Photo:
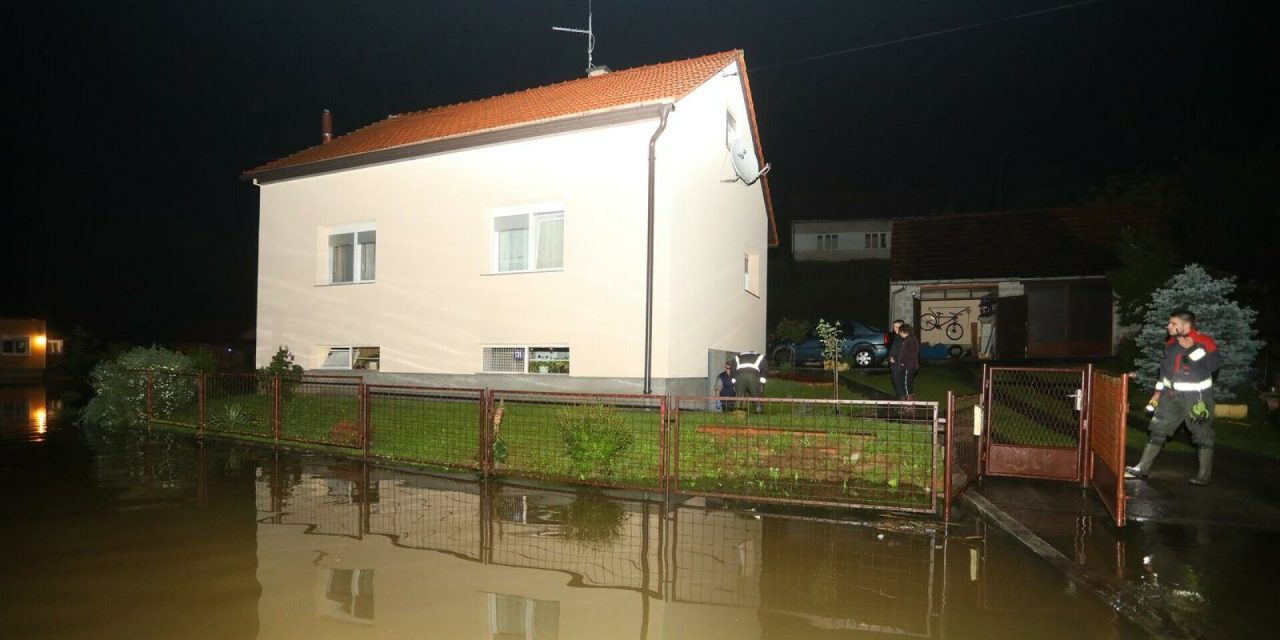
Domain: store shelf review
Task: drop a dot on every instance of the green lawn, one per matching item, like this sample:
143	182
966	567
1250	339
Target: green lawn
932	383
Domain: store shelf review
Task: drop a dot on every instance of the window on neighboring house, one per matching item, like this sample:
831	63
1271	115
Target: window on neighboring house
828	241
526	360
751	273
528	242
15	346
54	347
730	130
875	241
353	358
353	256
350	593
520	618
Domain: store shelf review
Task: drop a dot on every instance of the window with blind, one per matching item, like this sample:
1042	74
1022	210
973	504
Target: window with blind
353	256
526	360
528	242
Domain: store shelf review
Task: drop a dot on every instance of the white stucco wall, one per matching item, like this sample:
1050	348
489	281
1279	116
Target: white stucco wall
706	226
435	304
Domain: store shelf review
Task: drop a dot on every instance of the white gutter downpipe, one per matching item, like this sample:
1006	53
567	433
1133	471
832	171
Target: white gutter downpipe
648	267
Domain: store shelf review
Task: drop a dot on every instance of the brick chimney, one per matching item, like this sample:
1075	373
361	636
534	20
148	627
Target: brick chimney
326	127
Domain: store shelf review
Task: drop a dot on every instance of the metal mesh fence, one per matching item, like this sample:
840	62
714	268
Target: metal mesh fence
1036	407
602	541
321	410
845	453
427	425
327	500
240	403
716	557
595	439
175	398
962	451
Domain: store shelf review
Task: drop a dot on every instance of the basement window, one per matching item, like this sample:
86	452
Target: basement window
359	358
526	360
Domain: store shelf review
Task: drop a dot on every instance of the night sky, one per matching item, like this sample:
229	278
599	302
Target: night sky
130	122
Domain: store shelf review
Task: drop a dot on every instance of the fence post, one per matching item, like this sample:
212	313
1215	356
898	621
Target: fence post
362	402
486	433
275	408
1086	429
150	388
200	396
948	455
664	480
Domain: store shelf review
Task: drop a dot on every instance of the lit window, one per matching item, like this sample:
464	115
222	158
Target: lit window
15	346
353	256
528	242
526	360
54	346
353	358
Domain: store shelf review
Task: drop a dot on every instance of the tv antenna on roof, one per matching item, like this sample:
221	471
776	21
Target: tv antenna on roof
589	32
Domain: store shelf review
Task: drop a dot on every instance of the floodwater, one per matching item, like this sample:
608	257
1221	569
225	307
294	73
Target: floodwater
137	535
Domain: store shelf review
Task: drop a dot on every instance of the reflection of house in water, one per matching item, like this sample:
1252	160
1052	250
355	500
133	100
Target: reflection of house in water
361	551
26	409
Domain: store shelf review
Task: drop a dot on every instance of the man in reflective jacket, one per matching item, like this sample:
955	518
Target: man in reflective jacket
1184	393
750	373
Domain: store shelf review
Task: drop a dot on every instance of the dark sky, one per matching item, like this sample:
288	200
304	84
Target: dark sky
130	121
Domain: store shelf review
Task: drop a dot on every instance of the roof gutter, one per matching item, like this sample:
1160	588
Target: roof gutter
432	147
648	265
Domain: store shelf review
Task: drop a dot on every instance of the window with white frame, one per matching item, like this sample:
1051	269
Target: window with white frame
875	240
353	358
15	346
528	242
828	241
751	273
526	360
353	255
730	129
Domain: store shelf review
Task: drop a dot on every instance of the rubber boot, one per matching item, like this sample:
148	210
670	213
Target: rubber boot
1143	468
1206	467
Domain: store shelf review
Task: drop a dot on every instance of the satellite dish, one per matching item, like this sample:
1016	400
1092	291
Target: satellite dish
745	164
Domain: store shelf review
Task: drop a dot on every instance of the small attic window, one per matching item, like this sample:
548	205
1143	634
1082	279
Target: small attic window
730	129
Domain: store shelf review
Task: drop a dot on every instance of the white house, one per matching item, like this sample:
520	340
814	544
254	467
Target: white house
584	235
859	239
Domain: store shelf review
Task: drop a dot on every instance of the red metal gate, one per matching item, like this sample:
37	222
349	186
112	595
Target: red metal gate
1036	423
1108	407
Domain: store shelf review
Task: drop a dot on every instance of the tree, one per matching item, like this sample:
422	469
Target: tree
829	335
1146	262
1217	315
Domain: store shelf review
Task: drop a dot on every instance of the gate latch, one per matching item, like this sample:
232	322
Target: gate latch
1079	399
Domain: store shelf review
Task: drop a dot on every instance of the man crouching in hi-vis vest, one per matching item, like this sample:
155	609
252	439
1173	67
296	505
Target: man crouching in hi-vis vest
750	373
1184	393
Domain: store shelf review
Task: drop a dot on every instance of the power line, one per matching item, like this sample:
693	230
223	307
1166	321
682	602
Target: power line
931	34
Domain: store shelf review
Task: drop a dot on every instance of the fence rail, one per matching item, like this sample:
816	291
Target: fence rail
962	451
850	453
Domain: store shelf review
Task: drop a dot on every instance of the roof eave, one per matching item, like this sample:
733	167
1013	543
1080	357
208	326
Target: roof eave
575	122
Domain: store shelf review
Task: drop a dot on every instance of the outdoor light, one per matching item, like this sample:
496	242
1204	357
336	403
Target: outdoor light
41	418
40	341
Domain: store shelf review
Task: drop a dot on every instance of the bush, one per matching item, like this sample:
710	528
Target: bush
593	521
595	436
793	330
282	364
120	387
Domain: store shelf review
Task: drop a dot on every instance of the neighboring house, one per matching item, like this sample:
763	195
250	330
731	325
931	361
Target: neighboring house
506	242
841	239
25	348
1046	268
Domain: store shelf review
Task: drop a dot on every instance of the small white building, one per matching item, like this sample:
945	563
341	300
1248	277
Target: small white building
584	235
864	239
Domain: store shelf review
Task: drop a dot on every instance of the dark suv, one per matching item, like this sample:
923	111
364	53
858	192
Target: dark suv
861	344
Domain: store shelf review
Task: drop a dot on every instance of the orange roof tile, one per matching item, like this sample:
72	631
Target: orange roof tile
649	84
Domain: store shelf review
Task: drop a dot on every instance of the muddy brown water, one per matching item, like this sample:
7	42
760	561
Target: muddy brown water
156	535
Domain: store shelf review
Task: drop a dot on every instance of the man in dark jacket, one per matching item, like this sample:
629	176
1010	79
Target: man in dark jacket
1184	393
750	375
725	380
895	343
907	363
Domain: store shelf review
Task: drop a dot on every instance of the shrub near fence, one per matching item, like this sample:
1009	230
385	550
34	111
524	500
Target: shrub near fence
849	453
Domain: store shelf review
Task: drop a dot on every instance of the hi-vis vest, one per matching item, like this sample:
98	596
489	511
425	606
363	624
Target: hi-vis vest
742	363
1189	369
